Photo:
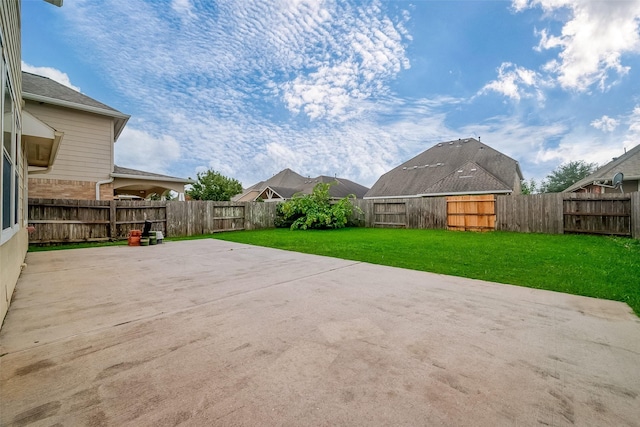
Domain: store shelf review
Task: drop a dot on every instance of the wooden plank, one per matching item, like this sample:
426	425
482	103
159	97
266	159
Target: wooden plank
598	214
635	214
66	221
153	221
113	226
608	232
475	212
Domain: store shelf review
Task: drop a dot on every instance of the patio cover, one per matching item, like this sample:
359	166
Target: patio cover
140	183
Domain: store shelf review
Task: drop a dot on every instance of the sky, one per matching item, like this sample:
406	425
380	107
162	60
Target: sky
346	88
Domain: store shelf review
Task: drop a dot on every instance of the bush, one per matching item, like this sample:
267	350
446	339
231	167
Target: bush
315	210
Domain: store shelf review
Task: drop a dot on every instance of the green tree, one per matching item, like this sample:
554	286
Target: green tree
566	175
529	187
212	185
315	210
155	196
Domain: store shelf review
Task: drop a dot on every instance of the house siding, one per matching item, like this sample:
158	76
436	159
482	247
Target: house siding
14	249
86	151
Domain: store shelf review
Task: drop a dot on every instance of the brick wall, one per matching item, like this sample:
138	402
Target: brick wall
66	189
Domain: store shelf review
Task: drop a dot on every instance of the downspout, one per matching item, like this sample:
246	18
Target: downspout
99	183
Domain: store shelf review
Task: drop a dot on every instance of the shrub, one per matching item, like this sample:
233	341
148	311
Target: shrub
315	210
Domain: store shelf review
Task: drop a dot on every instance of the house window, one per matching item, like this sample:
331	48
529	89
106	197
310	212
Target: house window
9	173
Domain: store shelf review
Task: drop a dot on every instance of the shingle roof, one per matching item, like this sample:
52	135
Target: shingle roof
435	171
118	170
628	164
43	89
44	86
287	183
470	177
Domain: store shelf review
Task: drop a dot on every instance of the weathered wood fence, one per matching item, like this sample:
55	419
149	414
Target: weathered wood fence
69	221
58	221
423	212
554	213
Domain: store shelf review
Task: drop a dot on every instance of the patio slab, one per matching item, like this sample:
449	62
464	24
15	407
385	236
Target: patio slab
207	332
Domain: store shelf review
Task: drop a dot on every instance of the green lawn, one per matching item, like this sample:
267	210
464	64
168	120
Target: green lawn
595	266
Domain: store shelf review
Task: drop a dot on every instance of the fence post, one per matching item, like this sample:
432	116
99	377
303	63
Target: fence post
112	220
635	214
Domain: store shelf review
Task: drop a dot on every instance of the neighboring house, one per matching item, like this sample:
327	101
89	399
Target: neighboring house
459	167
286	183
84	166
25	142
601	180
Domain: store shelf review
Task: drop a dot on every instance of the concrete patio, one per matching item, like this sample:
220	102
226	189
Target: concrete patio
207	332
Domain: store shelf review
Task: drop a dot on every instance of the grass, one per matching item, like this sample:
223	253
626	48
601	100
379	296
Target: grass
594	266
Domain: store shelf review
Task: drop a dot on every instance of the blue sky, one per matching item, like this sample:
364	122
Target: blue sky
347	88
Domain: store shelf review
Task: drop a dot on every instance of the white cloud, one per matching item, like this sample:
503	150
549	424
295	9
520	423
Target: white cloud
516	83
351	67
592	41
52	73
138	149
224	86
605	123
184	8
632	137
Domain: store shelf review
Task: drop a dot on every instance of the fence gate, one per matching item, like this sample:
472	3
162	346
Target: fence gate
390	214
471	213
227	218
601	215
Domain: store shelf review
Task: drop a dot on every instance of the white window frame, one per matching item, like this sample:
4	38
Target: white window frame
9	232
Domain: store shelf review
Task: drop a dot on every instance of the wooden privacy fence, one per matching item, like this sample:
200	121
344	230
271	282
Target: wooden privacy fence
605	215
419	212
557	213
69	221
552	213
58	221
205	217
471	213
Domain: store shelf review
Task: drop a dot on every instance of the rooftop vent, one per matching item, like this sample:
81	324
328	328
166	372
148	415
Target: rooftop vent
440	144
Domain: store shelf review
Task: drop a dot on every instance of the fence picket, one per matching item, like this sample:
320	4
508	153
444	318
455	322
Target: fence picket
58	221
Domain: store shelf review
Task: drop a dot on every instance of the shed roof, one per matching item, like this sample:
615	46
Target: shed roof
435	171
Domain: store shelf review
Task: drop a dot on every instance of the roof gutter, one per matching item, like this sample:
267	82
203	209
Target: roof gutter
412	196
465	193
460	193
